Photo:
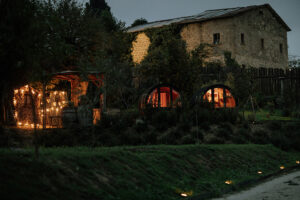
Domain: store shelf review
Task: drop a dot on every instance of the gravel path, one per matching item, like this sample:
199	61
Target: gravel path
285	187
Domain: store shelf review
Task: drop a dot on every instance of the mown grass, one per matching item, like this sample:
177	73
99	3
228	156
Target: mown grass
264	115
144	172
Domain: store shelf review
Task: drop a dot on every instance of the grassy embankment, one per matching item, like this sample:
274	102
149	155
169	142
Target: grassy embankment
148	172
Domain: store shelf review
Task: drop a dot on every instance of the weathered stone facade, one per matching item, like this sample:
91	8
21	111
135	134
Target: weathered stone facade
255	38
140	47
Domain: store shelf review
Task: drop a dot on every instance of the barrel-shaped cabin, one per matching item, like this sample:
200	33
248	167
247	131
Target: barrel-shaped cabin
161	96
218	95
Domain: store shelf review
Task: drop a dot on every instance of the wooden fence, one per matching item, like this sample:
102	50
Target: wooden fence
277	81
268	81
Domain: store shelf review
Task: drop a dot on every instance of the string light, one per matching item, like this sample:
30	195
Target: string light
53	107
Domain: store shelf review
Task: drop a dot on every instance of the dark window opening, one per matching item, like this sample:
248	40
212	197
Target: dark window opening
242	38
216	38
261	12
262	43
281	48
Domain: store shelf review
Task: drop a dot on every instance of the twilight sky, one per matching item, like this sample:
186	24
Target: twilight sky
153	10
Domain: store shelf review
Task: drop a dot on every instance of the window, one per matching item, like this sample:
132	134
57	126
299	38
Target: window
216	38
261	12
280	48
220	97
262	43
242	38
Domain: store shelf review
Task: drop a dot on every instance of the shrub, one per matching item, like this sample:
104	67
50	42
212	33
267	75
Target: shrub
197	134
150	137
260	136
241	136
223	133
205	125
140	126
171	136
226	115
212	139
274	125
187	139
163	119
131	137
279	140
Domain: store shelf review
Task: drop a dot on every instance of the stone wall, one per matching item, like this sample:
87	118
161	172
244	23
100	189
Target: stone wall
140	47
255	25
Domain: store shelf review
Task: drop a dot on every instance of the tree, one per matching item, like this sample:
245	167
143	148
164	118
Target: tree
294	61
168	61
139	21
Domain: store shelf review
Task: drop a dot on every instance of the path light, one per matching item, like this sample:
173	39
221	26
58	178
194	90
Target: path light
186	193
183	194
282	167
228	182
259	172
298	162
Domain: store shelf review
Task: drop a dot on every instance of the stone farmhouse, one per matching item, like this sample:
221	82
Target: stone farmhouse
255	35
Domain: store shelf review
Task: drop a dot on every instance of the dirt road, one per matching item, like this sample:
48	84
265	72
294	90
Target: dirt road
285	187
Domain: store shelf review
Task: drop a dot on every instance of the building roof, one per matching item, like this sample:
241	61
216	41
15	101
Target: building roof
206	16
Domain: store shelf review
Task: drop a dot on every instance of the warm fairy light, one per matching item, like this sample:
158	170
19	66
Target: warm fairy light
22	91
55	93
48	110
282	167
26	124
32	125
259	172
54	104
298	162
15	102
228	182
26	86
63	92
32	91
57	109
52	108
16	114
20	123
39	95
16	91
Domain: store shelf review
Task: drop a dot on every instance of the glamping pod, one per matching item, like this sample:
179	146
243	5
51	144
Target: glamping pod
161	96
218	95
